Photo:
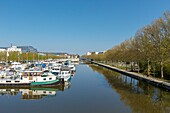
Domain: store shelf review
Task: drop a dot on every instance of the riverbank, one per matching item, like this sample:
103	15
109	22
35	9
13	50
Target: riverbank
150	80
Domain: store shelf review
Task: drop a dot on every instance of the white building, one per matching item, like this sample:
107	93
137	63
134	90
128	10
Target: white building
43	54
96	53
14	48
2	50
88	53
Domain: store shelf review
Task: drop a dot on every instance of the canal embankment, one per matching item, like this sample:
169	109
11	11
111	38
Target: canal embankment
156	82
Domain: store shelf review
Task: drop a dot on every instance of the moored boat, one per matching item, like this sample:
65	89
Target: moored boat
38	78
55	70
70	65
33	78
65	73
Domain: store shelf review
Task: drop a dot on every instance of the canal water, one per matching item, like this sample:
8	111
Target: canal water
92	89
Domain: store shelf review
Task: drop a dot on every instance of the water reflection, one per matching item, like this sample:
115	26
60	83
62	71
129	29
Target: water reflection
33	93
140	96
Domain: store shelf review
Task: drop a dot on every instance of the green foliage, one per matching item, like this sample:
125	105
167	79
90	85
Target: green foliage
30	56
2	56
167	71
150	48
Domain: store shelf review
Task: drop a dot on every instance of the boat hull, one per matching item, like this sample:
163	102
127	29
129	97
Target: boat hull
53	82
14	84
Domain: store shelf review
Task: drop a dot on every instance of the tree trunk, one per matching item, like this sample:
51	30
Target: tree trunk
126	66
138	67
154	69
162	72
131	66
148	70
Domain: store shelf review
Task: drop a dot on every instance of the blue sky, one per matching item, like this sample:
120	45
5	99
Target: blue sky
75	26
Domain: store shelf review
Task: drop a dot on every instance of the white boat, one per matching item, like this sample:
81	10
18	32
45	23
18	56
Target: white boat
2	73
65	73
17	65
70	65
33	78
55	70
8	73
72	68
40	78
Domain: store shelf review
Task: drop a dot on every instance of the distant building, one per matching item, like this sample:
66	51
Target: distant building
101	52
73	56
14	48
41	53
64	55
28	49
92	53
19	48
2	50
96	53
88	53
59	54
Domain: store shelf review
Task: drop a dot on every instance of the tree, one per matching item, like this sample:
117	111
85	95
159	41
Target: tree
160	41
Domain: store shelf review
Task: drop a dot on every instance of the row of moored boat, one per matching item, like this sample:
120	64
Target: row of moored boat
37	74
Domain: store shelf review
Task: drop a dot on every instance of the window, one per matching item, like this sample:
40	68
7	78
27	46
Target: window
44	79
50	78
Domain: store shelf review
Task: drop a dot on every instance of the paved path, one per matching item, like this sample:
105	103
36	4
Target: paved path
151	80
